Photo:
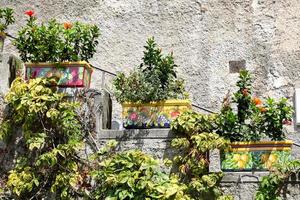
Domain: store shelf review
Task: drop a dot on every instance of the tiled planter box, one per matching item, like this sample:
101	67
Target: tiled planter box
154	114
248	156
68	74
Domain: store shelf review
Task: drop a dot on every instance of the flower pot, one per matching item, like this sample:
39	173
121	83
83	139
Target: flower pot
2	38
248	156
153	115
68	74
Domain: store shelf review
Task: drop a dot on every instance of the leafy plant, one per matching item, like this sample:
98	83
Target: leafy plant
133	175
51	138
55	42
154	80
270	187
254	118
6	18
193	163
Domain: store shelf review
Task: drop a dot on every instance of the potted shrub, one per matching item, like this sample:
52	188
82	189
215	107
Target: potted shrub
255	128
58	50
151	95
6	18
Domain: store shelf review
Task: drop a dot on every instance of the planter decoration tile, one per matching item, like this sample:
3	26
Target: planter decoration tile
249	156
69	74
154	114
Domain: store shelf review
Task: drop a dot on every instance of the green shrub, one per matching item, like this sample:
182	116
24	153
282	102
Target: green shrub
254	118
133	175
6	18
56	42
154	80
51	138
193	163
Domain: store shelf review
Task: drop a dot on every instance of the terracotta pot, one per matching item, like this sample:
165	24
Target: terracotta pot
153	115
67	74
248	156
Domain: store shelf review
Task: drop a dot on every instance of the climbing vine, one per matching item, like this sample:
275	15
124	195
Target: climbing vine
47	161
132	175
193	162
271	186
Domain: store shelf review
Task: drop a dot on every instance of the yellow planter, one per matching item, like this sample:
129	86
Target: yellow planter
248	156
153	115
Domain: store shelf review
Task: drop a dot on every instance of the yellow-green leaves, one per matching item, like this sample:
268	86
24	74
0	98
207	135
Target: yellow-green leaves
22	181
52	136
135	175
37	141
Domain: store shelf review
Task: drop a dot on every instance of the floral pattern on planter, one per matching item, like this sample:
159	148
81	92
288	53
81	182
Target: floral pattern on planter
77	74
255	158
153	115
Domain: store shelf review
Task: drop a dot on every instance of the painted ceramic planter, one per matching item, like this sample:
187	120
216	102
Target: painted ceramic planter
154	114
249	156
68	74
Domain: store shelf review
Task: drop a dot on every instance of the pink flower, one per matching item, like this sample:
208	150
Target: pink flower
133	116
287	122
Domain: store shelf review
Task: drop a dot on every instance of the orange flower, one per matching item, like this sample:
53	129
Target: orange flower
30	13
262	109
68	25
257	101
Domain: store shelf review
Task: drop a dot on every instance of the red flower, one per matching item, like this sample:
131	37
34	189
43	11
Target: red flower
175	114
245	92
30	13
67	25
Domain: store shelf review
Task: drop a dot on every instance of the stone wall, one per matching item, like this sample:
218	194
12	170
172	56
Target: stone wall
242	185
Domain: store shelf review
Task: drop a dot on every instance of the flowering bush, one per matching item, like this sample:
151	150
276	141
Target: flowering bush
255	118
56	42
6	18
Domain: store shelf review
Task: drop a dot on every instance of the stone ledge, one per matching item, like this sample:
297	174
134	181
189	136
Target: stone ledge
130	134
251	177
243	177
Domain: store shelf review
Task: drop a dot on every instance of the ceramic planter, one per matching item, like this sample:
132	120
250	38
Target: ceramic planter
68	74
248	156
153	115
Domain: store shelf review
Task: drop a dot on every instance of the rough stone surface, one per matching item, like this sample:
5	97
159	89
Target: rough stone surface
153	141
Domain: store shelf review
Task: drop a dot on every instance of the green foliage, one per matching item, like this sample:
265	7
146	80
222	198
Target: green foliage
55	42
271	186
276	115
154	80
254	119
191	122
52	137
6	18
133	175
193	162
